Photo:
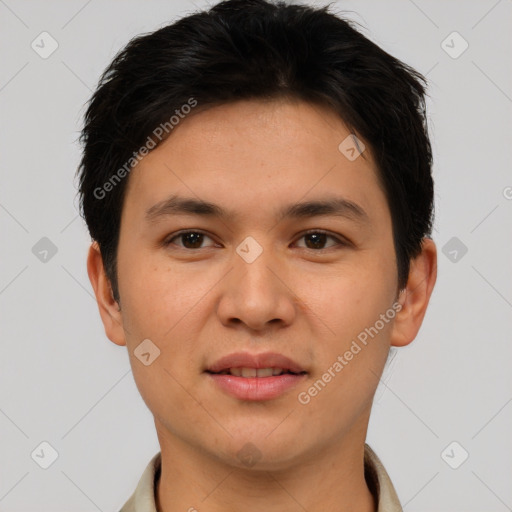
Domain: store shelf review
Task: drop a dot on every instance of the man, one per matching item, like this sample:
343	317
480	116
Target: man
256	179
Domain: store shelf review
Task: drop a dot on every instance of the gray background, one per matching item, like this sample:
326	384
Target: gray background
63	382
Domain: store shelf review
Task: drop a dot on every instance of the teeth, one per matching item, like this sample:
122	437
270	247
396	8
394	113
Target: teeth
249	372
264	372
255	372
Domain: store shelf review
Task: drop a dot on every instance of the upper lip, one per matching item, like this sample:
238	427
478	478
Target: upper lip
246	360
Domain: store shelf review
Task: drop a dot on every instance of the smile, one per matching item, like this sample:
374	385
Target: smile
255	372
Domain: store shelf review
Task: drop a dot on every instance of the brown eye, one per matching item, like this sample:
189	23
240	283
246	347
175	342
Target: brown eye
317	239
188	239
192	240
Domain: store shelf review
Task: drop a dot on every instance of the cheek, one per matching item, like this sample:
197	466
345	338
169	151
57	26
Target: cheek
351	357
162	304
351	305
354	299
156	297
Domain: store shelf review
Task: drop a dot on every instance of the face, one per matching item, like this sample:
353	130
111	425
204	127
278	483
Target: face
256	281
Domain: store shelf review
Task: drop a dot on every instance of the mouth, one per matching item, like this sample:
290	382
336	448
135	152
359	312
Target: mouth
255	377
246	372
244	364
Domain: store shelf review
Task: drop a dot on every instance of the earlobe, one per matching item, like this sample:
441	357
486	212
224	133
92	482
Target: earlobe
414	298
110	312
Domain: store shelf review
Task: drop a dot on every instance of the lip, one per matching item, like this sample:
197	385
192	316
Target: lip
256	388
264	360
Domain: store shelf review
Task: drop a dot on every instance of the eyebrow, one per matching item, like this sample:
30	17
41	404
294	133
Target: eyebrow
335	206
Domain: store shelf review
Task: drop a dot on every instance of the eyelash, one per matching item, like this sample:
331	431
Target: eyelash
340	242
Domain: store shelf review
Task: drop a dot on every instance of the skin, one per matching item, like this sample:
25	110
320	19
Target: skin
199	304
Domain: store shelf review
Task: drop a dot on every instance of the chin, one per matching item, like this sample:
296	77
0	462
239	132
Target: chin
260	447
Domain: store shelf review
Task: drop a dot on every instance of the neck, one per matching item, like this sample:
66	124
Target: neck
330	480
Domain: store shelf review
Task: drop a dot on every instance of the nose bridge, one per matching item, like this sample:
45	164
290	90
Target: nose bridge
256	268
255	293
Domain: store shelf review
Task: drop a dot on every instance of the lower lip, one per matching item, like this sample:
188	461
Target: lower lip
256	388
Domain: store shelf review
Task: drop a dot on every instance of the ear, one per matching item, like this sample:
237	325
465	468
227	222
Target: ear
416	295
110	311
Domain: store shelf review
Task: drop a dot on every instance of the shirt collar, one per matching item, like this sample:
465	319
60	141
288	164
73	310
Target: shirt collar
379	483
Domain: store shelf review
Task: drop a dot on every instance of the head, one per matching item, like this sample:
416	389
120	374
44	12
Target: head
220	127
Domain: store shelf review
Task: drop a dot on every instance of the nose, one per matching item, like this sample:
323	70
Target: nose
258	295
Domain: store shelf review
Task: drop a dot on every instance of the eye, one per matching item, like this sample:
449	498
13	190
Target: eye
316	240
188	239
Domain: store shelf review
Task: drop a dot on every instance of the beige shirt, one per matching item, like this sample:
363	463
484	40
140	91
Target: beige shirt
379	483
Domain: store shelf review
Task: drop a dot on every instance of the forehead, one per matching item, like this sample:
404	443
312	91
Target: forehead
252	154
